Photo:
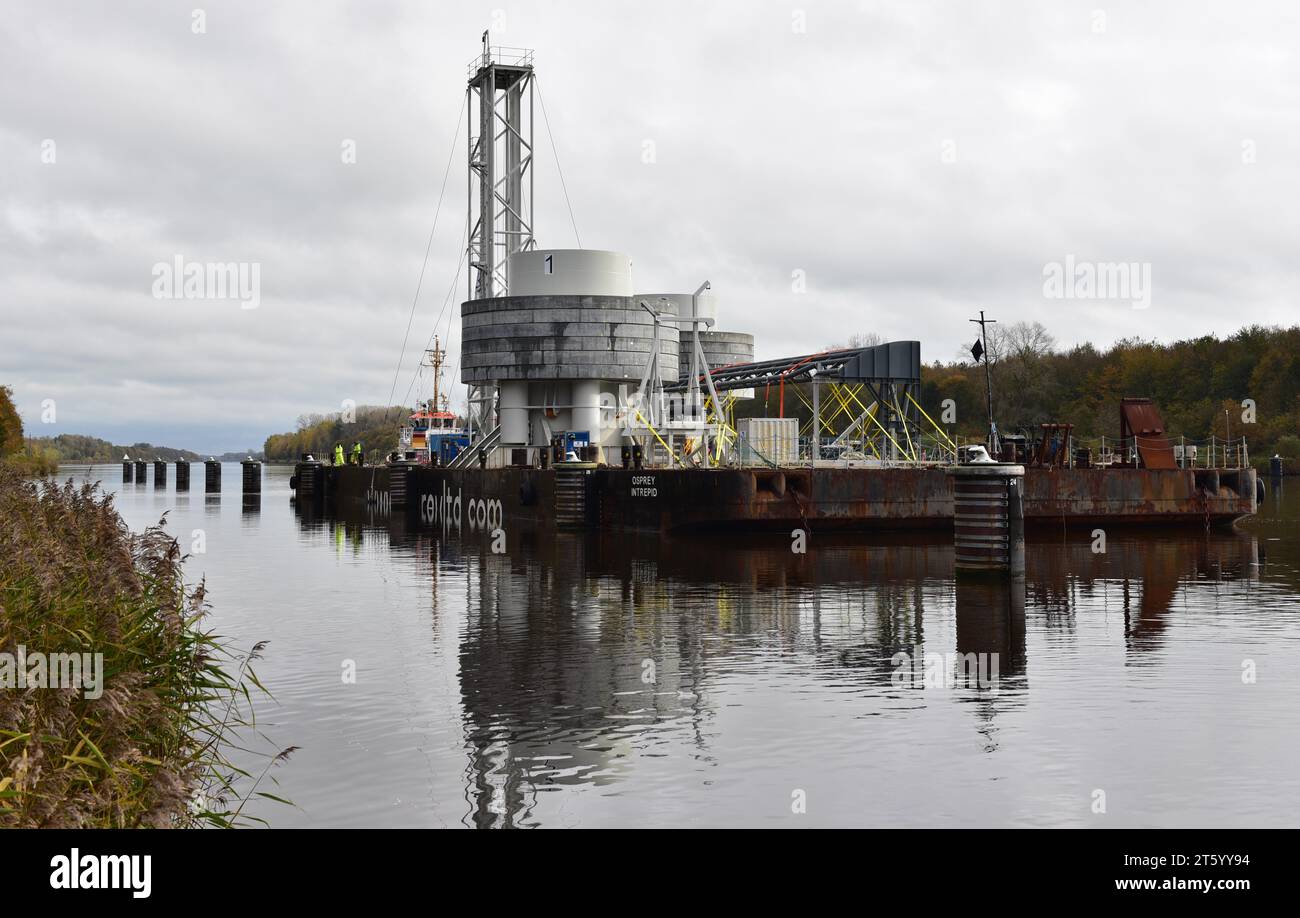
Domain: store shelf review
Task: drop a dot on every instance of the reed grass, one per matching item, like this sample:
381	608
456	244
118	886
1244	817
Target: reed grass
153	750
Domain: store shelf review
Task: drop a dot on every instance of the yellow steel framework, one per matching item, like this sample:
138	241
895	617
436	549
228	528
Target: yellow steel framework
844	400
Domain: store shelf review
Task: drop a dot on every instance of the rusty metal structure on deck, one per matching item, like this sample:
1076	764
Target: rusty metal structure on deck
1140	420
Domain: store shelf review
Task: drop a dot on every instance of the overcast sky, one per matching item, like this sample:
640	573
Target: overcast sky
915	162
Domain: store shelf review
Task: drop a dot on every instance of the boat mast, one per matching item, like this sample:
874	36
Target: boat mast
435	355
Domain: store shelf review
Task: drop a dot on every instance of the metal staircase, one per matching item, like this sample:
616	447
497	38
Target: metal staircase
469	455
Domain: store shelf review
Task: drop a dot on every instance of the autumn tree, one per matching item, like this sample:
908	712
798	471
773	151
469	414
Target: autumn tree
11	425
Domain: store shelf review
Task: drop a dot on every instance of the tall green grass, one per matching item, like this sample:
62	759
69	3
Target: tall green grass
154	749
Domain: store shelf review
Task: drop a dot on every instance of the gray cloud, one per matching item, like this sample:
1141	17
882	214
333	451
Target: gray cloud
776	151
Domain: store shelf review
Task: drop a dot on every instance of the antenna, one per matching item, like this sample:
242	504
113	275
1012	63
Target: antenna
500	186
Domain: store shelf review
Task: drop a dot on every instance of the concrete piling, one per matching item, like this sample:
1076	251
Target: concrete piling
212	476
182	475
159	474
989	517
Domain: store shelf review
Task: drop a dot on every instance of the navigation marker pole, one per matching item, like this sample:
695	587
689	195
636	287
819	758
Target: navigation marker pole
983	350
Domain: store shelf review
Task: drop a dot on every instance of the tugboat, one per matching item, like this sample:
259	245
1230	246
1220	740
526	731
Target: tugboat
433	435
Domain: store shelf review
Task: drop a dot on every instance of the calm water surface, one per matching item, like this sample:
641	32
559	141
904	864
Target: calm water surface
509	689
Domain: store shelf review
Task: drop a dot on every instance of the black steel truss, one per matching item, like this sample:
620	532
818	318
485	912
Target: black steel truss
897	362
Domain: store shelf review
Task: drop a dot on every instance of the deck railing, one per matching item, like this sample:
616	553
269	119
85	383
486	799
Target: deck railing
512	57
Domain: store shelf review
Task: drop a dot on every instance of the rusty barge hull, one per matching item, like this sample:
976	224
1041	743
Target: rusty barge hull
821	499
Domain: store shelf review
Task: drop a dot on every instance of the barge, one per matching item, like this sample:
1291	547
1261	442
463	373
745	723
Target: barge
591	405
774	500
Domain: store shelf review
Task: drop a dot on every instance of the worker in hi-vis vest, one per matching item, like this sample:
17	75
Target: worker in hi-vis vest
338	453
357	453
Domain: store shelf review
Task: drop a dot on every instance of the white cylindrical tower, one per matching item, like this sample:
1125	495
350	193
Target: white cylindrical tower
514	412
570	272
586	408
569	335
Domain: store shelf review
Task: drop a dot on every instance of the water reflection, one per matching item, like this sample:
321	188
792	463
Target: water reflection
582	658
513	689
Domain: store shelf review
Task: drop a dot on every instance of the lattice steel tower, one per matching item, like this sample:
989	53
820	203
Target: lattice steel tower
500	215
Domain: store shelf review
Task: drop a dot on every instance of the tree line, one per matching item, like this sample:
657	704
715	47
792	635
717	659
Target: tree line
374	426
15	450
41	455
1244	384
80	448
1247	384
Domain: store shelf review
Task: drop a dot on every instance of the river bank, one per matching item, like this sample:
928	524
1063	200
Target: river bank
117	704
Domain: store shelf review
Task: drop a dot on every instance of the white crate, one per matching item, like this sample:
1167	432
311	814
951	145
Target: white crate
764	440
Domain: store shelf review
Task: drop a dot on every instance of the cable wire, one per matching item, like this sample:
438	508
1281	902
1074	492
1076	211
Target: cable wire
427	248
436	325
565	188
